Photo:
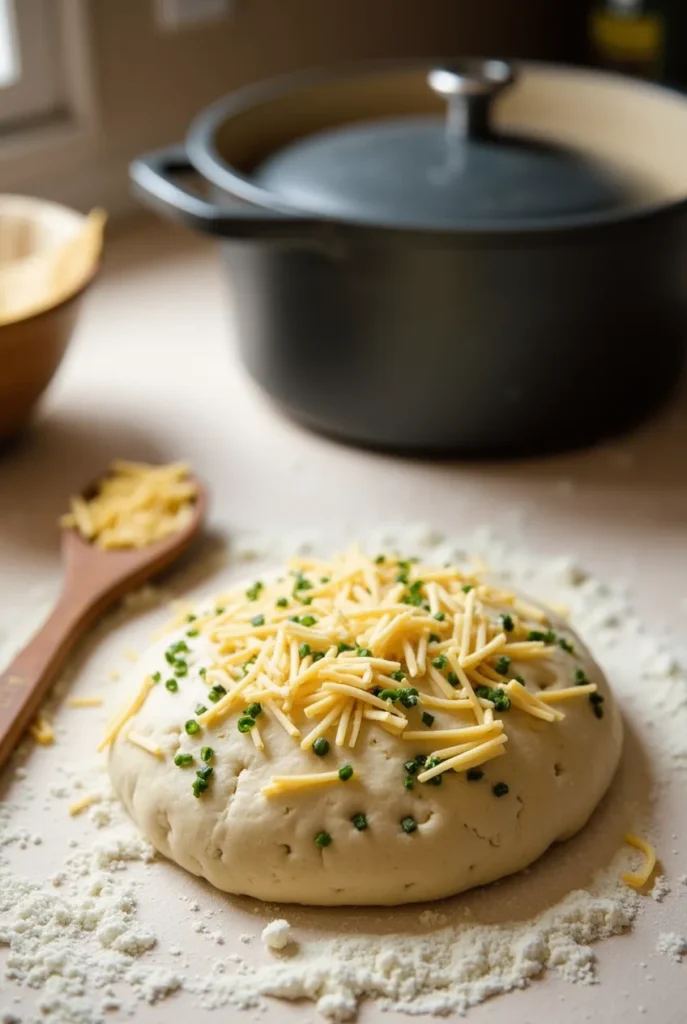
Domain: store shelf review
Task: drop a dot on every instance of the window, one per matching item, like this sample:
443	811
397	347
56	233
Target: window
29	73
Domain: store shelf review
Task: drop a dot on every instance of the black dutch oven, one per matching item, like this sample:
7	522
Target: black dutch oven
470	259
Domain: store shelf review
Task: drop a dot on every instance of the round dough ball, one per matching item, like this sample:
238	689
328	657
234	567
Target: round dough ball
247	843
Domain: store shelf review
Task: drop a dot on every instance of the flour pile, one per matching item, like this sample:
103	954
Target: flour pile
76	945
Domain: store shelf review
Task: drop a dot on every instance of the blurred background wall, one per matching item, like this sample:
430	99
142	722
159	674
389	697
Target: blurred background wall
148	83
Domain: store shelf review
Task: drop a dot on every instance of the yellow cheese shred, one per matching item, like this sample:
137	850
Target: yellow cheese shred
145	743
637	879
134	505
123	717
291	783
80	805
84	702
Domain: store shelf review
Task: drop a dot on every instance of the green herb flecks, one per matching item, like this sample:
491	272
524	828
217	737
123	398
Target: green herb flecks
345	772
497	696
500	789
192	727
363	652
507	623
502	665
258	620
245	723
200	709
254	709
253	592
323	839
546	637
156	677
304	650
206	754
359	822
427	719
565	645
282	602
440	661
320	747
215	692
474	774
408	824
183	760
172	685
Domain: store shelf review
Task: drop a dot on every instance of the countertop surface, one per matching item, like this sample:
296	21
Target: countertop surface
152	375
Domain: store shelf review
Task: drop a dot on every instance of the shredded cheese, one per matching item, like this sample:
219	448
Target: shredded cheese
290	783
134	505
637	879
42	731
123	717
80	805
84	702
145	743
348	647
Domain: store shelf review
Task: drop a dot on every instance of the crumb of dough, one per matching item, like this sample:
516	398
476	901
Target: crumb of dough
276	934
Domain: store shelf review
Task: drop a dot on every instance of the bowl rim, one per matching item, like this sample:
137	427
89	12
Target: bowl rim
87	281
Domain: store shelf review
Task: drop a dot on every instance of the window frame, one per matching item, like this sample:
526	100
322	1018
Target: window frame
37	91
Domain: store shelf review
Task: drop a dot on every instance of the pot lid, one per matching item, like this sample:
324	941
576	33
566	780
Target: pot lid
439	172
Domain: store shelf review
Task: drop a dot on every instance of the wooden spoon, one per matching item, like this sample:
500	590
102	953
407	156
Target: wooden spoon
93	580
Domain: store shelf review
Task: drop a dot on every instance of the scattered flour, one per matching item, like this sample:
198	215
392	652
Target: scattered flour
660	889
75	939
276	934
673	945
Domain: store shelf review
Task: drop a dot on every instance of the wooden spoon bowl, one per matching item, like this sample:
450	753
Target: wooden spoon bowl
94	579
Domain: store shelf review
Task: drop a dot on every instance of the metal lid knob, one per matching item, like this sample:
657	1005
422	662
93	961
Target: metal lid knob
469	86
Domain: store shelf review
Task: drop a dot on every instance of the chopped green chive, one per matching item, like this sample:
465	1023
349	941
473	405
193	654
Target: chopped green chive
192	727
282	602
258	620
421	758
359	822
500	789
254	709
440	661
182	760
322	839
434	638
220	609
254	592
304	650
565	645
388	695
548	637
305	600
497	696
409	782
427	719
181	668
452	678
191	617
341	647
364	652
206	754
321	747
502	665
408	824
408	698
432	762
324	579
318	656
440	616
467	587
200	709
199	786
202	672
474	774
380	559
345	772
402	576
157	676
596	700
410	767
507	623
191	632
172	685
215	692
520	680
307	620
580	677
205	772
398	676
245	723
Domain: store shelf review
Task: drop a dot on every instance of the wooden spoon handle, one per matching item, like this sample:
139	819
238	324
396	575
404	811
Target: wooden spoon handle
24	684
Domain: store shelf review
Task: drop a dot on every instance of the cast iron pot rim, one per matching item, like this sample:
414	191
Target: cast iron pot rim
204	157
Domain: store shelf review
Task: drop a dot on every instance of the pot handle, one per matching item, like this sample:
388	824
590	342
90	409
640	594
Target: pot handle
154	178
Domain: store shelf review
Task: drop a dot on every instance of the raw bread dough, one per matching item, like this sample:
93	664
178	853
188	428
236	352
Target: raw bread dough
246	843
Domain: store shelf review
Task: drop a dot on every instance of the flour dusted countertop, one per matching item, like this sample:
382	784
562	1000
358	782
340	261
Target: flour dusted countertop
152	375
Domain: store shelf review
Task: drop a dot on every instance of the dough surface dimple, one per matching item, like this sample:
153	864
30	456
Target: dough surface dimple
372	839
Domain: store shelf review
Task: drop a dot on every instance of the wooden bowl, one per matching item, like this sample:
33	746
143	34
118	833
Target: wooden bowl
30	352
49	255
